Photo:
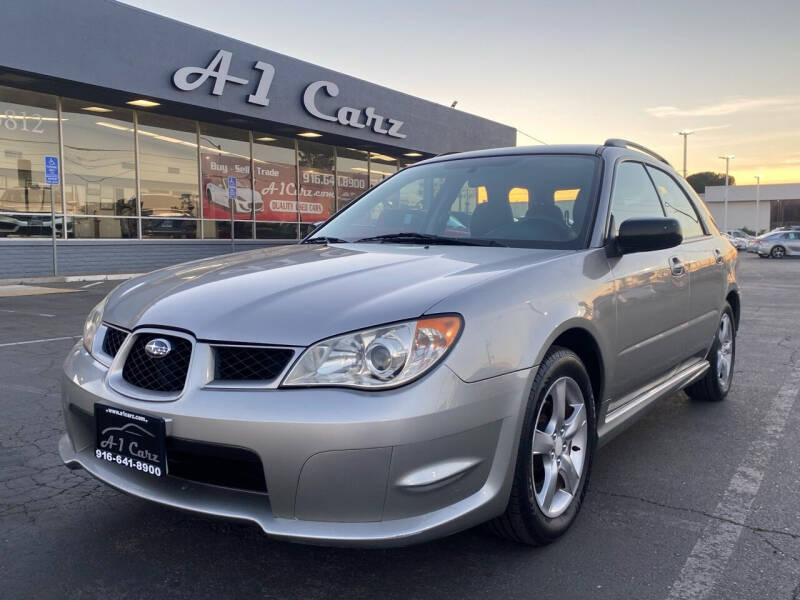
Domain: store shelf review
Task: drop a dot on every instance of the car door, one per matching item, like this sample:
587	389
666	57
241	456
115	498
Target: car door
651	292
704	257
793	243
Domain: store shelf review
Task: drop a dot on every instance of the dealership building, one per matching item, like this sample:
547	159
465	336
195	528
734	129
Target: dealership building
129	141
755	207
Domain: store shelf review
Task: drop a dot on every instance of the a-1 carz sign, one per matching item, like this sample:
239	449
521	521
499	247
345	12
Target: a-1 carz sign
188	79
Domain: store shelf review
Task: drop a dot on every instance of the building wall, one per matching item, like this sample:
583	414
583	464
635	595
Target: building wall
766	191
24	258
779	205
741	214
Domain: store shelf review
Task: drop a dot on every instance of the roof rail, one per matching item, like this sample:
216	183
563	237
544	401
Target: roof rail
620	143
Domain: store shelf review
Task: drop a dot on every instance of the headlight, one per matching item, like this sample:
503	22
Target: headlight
92	323
376	358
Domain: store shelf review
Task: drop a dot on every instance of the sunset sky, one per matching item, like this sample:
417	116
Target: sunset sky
563	72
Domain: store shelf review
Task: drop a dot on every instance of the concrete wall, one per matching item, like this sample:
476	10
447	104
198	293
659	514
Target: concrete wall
743	193
29	258
741	214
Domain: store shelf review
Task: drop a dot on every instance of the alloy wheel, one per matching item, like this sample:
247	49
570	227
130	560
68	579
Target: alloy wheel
725	352
778	252
559	446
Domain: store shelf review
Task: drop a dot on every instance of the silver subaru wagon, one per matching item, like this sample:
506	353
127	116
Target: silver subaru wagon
448	350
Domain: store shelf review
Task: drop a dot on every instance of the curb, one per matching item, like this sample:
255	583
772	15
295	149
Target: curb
68	278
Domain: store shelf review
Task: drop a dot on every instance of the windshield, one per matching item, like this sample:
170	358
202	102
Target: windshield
537	201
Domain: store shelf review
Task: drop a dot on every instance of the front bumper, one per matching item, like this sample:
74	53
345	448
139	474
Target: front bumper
342	467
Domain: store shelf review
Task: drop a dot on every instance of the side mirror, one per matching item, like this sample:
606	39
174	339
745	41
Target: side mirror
643	235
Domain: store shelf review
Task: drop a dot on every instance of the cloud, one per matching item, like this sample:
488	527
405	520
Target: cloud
711	127
727	107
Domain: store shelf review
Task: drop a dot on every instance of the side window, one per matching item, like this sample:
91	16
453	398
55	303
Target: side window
677	204
633	195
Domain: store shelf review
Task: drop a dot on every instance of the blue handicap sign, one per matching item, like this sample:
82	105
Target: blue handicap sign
51	170
231	188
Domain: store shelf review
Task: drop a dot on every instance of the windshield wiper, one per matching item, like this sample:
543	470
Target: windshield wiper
324	240
411	237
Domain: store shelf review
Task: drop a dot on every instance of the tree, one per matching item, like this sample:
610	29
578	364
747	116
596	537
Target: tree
699	181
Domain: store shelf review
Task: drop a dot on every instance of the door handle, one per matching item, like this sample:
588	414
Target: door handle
718	256
676	266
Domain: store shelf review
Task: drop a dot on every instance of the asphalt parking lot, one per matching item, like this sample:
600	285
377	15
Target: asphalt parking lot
696	500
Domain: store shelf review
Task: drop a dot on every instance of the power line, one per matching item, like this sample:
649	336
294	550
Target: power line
531	136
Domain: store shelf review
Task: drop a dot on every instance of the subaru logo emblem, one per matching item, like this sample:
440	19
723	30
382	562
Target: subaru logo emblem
158	348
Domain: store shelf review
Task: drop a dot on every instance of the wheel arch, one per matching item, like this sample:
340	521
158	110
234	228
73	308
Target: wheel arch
578	337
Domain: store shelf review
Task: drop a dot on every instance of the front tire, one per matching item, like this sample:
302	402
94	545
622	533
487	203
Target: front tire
716	383
778	252
555	453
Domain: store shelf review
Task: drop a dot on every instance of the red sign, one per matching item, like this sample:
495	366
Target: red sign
317	195
216	201
275	197
277	185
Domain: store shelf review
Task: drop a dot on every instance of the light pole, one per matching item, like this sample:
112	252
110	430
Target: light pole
685	133
758	190
727	158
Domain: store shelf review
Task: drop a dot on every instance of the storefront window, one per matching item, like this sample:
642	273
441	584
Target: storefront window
101	227
276	231
169	228
352	175
99	164
167	167
217	229
275	175
317	189
237	183
28	133
225	160
381	166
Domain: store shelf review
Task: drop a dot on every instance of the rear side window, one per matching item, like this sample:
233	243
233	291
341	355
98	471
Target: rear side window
634	195
677	204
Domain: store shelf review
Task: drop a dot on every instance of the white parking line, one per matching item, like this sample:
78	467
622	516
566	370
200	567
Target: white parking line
68	337
88	285
22	312
711	553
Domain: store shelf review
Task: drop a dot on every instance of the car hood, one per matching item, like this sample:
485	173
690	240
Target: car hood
296	295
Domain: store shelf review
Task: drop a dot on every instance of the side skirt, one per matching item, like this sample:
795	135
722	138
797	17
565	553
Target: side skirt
619	418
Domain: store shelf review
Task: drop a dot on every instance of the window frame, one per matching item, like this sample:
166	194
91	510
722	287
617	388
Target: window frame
610	236
703	226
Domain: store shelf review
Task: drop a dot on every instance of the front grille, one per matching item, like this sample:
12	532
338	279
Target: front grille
161	374
215	464
244	363
113	340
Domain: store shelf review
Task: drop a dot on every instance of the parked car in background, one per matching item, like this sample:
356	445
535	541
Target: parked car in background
778	245
461	370
739	242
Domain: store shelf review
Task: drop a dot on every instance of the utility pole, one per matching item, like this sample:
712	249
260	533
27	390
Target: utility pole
685	133
727	158
758	190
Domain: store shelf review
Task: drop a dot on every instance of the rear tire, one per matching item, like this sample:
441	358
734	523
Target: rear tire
716	383
778	252
555	453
